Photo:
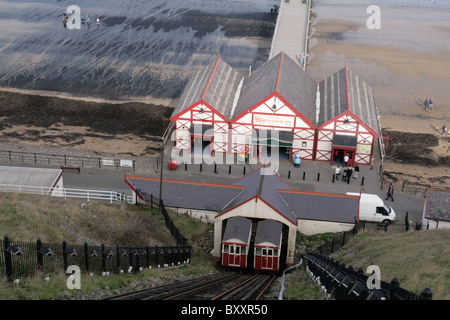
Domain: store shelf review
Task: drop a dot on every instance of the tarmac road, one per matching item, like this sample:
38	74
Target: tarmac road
318	178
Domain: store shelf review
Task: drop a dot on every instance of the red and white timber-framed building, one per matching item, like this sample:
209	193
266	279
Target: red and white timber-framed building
277	103
347	121
204	108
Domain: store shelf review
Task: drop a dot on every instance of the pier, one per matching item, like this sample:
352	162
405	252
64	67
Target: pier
291	30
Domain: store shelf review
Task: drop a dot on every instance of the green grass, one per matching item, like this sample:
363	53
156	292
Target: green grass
29	217
419	259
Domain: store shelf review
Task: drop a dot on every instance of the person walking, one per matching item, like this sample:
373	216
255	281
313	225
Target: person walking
372	162
338	172
390	192
355	176
344	174
346	158
349	174
426	105
444	129
430	104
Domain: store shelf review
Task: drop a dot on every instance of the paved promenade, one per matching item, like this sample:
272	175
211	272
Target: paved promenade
291	29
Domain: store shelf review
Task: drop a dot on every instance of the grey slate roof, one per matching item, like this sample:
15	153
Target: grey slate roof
336	99
437	204
280	195
184	194
323	207
216	84
268	231
266	186
283	75
237	228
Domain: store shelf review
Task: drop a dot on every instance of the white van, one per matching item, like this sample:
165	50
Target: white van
372	208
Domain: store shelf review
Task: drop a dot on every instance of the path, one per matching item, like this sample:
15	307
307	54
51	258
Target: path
291	29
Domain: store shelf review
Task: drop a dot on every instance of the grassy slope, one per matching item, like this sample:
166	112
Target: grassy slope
418	259
28	217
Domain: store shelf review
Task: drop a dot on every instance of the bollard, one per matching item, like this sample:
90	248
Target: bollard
318	176
333	177
215	168
362	181
201	168
229	169
243	171
185	166
303	175
289	174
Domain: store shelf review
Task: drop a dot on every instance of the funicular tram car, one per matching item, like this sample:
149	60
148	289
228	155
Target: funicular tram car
267	245
236	242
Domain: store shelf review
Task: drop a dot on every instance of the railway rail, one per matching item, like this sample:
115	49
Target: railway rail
219	286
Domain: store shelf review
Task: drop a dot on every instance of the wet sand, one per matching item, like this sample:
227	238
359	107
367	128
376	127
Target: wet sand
405	61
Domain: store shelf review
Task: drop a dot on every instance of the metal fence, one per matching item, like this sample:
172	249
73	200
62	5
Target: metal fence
19	260
344	283
68	193
66	160
154	202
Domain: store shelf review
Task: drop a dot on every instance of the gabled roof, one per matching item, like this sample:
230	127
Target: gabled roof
279	75
216	84
264	184
345	91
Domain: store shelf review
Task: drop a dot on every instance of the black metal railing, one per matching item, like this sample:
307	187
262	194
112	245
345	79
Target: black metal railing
154	202
344	283
20	259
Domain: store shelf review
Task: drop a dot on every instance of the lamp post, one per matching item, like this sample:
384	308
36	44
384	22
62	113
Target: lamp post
161	176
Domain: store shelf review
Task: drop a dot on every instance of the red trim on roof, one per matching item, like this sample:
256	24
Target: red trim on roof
210	78
346	85
207	184
351	114
279	71
318	193
288	104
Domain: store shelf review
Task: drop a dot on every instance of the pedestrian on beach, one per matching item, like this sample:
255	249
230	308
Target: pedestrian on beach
355	176
346	158
430	104
338	172
390	192
349	174
98	23
444	129
426	105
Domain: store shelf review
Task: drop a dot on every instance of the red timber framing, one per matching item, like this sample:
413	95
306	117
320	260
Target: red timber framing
345	133
204	108
275	113
345	124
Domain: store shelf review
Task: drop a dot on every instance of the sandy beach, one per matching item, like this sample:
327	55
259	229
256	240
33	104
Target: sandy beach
405	62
